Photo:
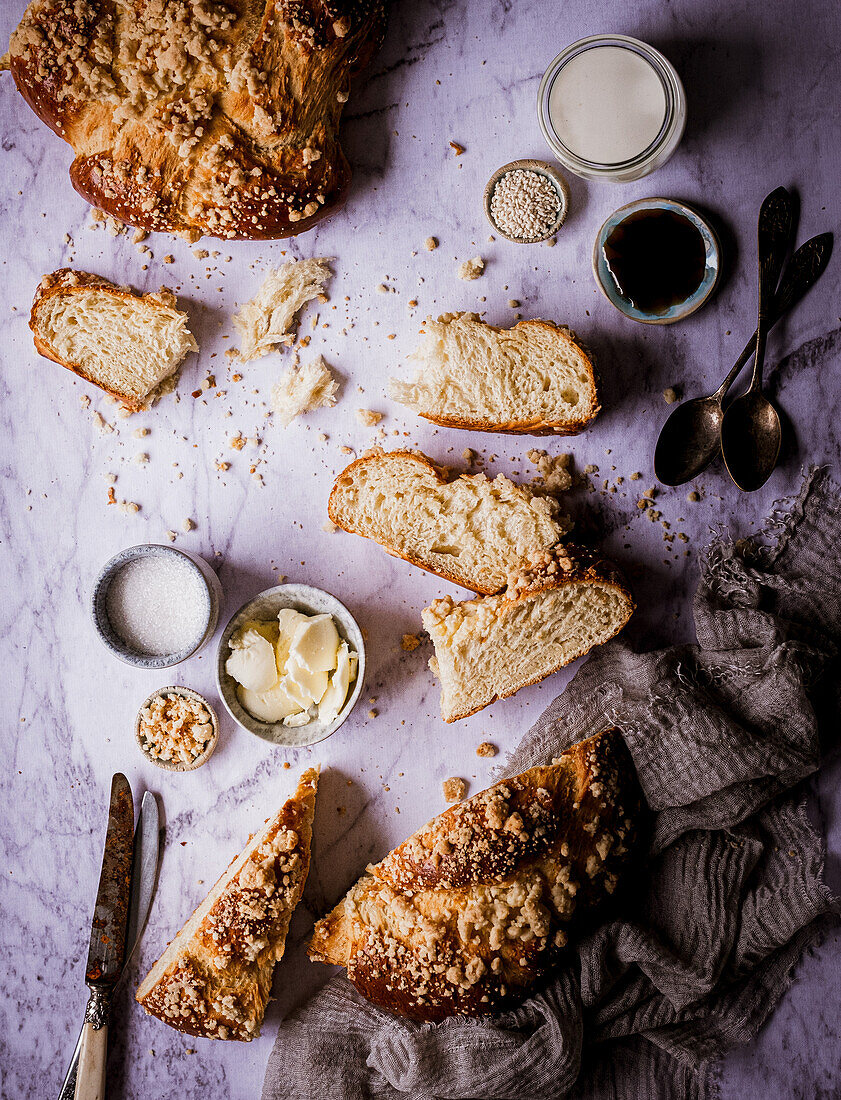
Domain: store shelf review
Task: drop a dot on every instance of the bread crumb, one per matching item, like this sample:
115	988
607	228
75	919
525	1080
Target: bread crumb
140	433
513	303
591	469
345	450
410	642
169	259
458	149
171	535
368	418
486	749
329	527
430	244
554	471
238	442
303	388
382	288
454	789
468	454
188	525
200	253
129	507
471	269
141	458
693	497
372	713
669	396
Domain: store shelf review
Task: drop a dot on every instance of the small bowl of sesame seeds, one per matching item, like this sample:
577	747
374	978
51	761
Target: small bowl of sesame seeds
526	201
177	729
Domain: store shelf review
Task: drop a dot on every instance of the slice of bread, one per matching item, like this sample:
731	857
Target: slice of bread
468	529
215	978
127	344
534	378
565	602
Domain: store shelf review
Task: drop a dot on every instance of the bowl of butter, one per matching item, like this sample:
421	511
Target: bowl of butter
291	664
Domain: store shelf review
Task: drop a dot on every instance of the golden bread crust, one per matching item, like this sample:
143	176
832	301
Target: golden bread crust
200	117
215	978
468	914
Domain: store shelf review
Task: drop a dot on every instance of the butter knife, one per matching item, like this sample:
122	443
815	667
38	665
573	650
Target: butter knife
144	874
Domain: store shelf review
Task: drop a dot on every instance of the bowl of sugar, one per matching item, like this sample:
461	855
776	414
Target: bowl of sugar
154	606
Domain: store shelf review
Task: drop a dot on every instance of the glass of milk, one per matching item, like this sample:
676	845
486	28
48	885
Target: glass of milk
611	108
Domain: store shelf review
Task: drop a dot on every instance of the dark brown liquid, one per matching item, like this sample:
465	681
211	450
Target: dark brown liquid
657	259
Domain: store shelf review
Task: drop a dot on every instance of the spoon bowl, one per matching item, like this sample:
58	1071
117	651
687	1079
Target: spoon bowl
689	440
751	435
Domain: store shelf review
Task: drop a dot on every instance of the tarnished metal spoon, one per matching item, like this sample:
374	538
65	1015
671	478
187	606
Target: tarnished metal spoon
751	432
691	437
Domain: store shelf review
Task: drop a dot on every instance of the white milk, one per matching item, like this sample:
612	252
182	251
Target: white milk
607	104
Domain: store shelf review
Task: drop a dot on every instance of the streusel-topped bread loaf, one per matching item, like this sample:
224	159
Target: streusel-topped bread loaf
215	117
215	978
473	910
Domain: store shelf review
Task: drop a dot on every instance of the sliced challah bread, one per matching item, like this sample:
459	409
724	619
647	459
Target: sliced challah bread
125	343
533	378
215	978
555	610
471	911
469	529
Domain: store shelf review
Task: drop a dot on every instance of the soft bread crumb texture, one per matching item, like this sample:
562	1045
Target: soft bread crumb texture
303	388
534	377
128	344
554	611
469	529
214	979
454	789
266	321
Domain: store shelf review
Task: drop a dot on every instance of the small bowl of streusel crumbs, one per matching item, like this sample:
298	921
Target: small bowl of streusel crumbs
177	729
526	201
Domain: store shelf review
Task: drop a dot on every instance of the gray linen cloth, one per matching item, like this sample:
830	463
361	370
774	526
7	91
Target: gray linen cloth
722	734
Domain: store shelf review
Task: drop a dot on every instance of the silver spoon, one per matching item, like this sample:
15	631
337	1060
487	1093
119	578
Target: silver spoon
751	432
691	437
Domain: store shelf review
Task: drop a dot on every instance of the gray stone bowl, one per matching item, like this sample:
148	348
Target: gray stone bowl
542	169
309	601
112	640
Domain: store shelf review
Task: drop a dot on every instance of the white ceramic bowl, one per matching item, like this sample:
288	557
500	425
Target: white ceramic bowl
112	640
265	606
179	765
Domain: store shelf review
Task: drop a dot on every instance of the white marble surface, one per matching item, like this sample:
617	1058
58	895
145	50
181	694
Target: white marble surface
763	104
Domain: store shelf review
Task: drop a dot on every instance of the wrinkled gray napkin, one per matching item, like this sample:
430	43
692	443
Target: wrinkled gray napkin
720	734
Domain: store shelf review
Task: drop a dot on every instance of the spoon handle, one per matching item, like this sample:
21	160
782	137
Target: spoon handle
805	268
773	236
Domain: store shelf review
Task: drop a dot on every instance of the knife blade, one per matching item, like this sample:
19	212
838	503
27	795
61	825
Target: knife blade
143	879
144	872
110	916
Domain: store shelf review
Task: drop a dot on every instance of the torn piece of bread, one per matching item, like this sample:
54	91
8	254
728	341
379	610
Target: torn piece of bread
266	321
304	387
215	978
128	344
555	610
467	528
534	378
474	909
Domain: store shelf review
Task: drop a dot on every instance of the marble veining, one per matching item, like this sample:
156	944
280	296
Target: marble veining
763	109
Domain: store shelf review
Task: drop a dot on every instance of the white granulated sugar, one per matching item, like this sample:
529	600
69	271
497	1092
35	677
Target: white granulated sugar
525	204
157	605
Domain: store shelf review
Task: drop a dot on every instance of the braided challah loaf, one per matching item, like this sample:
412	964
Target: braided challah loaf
215	117
471	911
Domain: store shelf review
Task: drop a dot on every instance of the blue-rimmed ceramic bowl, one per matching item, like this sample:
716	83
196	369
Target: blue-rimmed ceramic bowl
682	309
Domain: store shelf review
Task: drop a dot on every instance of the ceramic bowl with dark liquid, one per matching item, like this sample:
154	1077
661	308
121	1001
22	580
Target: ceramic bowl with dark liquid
657	260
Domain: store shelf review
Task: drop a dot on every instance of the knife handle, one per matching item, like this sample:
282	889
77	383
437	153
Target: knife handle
93	1053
